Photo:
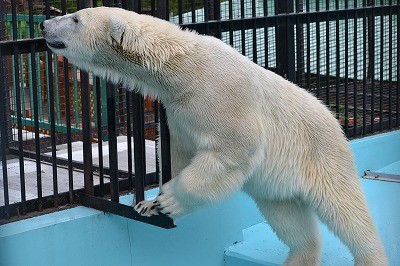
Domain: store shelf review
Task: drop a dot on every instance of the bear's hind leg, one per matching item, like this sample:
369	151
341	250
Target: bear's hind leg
297	226
345	212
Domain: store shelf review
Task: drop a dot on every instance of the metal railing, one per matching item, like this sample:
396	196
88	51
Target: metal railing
345	52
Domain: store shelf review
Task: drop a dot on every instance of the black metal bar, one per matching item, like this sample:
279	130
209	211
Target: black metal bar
35	109
371	63
327	48
299	44
161	220
266	42
230	15
162	9
355	81
180	11
346	70
254	32
308	41
68	119
318	48
242	28
156	108
165	147
398	70
337	62
112	142
285	42
128	97
390	66
99	123
382	30
19	111
139	146
365	73
86	132
23	45
4	138
289	19
193	10
49	69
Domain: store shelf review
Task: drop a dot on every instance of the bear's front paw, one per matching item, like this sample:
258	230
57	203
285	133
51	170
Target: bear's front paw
168	203
147	208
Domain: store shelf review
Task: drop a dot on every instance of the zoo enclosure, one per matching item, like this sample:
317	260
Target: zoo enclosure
345	52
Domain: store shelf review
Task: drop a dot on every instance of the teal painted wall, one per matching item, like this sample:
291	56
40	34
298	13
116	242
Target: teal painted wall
81	236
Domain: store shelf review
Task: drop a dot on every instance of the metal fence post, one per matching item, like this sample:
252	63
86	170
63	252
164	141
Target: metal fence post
86	126
285	56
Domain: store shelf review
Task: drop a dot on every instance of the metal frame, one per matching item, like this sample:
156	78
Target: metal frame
289	46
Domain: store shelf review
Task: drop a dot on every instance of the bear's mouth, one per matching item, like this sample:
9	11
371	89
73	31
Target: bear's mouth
56	45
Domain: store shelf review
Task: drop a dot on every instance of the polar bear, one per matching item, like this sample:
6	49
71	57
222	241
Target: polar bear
233	125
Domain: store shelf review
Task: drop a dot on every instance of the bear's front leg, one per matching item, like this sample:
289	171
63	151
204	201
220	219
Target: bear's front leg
211	176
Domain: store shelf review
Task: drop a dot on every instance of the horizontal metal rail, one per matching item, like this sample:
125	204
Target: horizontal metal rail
381	176
291	19
109	206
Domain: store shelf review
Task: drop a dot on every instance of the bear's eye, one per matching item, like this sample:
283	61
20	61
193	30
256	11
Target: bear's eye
75	19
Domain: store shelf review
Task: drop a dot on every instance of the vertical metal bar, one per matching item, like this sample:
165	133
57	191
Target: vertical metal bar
299	43
217	16
162	9
242	30
3	127
156	106
34	89
86	132
266	42
230	16
382	30
328	85
285	42
318	48
364	125
346	68
86	126
355	80
128	97
398	69
390	64
112	142
52	118
180	11
99	123
19	111
68	119
165	147
139	146
254	31
193	10
308	46
371	63
337	62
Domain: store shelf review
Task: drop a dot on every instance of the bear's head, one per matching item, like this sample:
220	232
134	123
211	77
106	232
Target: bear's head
104	39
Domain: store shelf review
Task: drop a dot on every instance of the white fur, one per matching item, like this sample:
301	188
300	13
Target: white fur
233	125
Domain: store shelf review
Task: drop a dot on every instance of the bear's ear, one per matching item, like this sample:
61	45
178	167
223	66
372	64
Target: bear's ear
117	28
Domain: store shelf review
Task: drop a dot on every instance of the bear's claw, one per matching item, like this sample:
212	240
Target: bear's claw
146	208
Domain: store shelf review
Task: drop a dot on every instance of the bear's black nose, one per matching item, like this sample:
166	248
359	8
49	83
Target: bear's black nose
41	26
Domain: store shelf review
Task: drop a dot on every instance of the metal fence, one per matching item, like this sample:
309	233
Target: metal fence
68	137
